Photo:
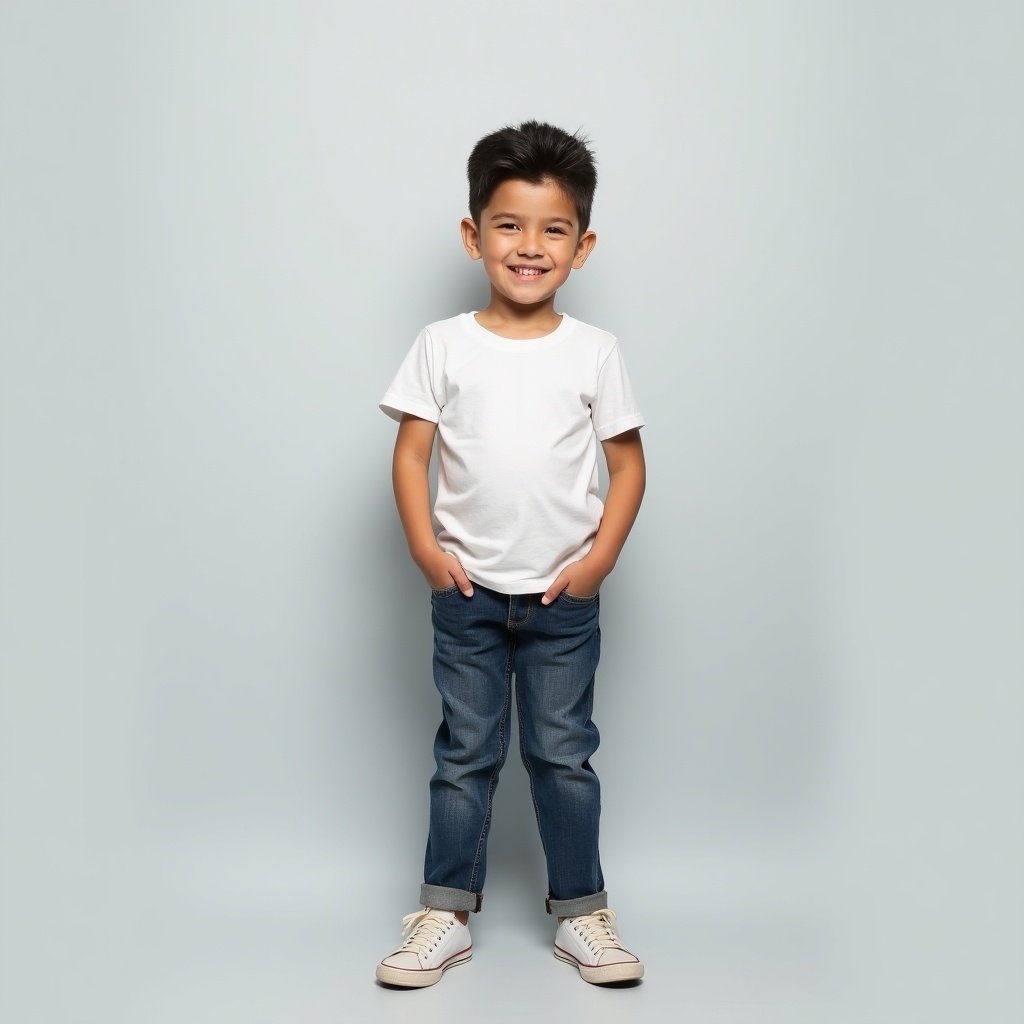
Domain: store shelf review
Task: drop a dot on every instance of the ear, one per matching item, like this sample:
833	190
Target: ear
470	237
584	247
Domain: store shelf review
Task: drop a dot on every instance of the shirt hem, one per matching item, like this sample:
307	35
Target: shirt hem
395	405
617	427
516	589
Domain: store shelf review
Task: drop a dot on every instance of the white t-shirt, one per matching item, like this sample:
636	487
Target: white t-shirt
518	423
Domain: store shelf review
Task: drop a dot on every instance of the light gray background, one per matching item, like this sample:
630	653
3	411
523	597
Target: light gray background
222	225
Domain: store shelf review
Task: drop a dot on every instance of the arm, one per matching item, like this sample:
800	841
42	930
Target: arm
412	496
627	477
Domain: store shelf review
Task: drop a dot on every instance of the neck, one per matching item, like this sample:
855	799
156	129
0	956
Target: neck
516	321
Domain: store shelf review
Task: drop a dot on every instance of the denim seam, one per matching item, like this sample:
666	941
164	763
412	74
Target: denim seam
492	784
529	771
511	625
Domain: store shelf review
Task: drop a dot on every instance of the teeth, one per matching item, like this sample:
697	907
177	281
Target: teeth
528	271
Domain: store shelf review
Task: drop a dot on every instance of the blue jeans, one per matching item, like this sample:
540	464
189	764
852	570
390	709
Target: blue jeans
552	650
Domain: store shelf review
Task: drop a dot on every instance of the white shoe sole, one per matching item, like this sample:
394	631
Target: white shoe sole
420	979
602	975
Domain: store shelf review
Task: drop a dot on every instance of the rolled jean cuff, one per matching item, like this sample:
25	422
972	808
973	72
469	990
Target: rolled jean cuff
440	897
577	907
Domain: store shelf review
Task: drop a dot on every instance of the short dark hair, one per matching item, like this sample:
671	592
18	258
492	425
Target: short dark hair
533	152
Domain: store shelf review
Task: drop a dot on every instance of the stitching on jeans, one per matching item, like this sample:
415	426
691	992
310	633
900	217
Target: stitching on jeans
529	770
493	781
512	625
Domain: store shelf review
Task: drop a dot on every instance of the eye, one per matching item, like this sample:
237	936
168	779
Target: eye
508	227
556	231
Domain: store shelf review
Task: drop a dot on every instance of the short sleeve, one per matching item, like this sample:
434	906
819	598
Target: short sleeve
614	409
416	387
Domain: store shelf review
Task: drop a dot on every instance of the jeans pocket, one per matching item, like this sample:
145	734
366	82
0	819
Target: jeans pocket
444	591
566	598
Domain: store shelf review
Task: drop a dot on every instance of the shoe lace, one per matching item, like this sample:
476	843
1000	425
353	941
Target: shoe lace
598	929
422	930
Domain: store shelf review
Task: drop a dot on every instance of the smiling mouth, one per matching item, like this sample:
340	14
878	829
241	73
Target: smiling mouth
528	271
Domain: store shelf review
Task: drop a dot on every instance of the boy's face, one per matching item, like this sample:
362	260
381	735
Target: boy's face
528	239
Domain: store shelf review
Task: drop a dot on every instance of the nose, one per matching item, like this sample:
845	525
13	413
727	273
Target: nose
530	244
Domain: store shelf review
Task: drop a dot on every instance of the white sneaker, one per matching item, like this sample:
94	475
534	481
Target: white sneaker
434	941
591	944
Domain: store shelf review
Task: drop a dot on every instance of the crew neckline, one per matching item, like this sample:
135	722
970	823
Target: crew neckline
497	341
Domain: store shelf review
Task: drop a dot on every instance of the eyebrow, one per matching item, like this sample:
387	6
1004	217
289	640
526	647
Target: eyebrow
516	216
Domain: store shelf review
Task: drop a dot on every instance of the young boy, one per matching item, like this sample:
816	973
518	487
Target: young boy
518	396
